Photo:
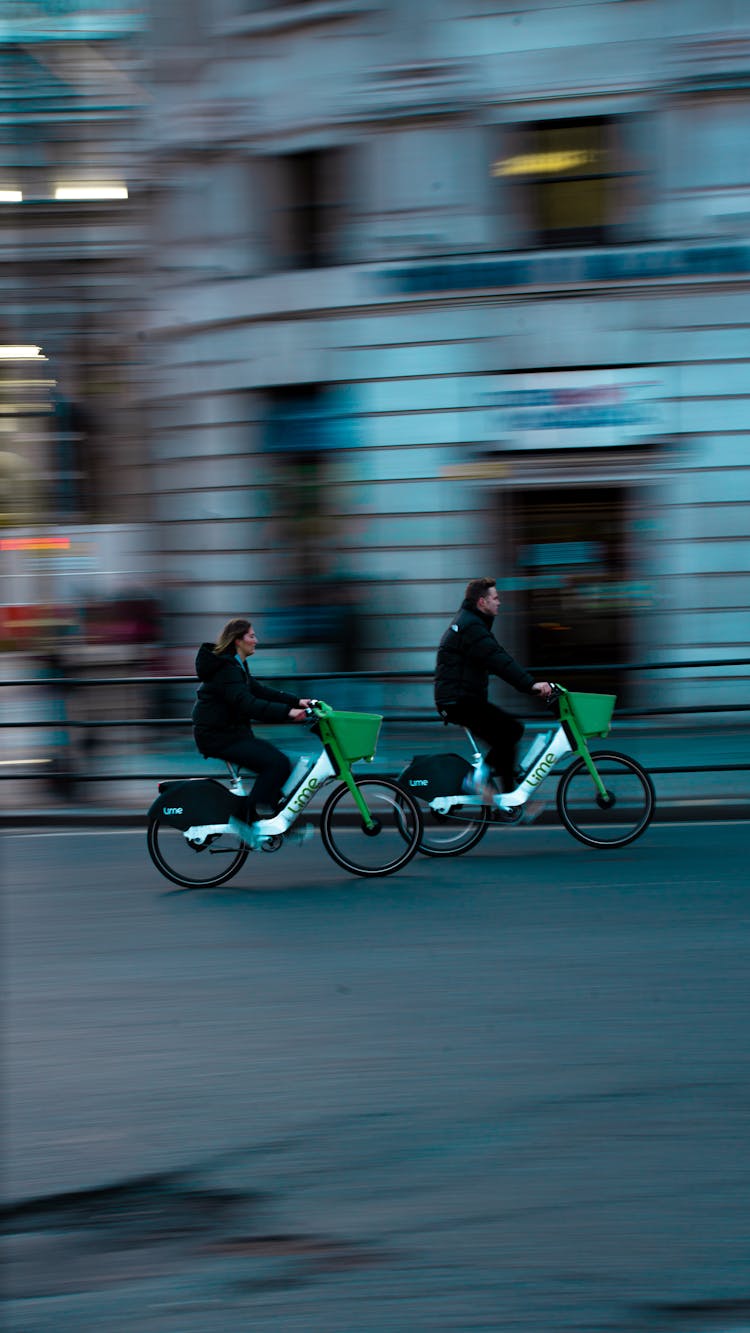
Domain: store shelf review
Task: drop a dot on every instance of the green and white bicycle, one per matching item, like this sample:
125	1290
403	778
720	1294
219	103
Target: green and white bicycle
369	826
604	799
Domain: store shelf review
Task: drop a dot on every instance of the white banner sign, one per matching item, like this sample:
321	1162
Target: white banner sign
575	409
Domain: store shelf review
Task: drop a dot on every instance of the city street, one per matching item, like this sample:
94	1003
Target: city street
507	1092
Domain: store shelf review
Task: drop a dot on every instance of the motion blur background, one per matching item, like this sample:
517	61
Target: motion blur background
312	311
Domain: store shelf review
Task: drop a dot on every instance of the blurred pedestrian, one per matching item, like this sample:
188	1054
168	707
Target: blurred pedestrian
61	766
229	701
467	656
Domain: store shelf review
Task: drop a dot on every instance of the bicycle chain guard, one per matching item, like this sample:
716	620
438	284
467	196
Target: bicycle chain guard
195	802
428	776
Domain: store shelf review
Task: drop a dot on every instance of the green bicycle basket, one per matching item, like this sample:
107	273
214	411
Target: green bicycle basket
592	713
355	734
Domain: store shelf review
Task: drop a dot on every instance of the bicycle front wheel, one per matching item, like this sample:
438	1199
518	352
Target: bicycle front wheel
388	846
194	868
454	833
613	821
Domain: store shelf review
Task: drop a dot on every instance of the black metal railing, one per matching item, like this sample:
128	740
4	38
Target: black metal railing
63	685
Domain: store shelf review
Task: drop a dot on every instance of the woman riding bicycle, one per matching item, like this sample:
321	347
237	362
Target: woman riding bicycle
229	701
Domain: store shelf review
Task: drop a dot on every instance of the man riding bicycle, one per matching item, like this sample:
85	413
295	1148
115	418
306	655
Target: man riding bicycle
467	656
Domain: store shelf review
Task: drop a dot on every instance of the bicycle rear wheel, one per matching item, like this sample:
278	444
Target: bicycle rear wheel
379	851
612	822
190	867
455	833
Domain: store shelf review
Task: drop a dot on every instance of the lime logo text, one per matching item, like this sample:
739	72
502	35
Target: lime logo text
304	795
542	769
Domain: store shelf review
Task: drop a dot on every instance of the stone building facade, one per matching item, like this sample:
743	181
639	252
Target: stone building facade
449	288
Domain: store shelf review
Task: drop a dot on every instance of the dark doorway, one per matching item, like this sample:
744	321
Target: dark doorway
572	576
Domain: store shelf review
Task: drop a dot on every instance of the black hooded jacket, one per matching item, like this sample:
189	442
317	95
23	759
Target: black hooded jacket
468	655
230	700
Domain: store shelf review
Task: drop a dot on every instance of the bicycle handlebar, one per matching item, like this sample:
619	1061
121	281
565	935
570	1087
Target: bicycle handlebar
557	691
317	708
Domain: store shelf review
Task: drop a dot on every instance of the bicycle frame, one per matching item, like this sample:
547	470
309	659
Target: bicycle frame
558	747
315	776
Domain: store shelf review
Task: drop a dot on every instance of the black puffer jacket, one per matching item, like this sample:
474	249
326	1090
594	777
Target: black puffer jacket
229	700
468	655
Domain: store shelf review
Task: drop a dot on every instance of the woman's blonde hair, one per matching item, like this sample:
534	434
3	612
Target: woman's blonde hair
234	629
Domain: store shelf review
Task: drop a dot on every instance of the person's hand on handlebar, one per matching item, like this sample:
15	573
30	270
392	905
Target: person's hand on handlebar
306	703
543	688
298	715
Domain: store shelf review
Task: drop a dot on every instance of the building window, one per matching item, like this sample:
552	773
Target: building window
303	434
566	179
305	226
705	181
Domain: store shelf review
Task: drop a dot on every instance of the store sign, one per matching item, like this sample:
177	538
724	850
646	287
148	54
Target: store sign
570	267
575	409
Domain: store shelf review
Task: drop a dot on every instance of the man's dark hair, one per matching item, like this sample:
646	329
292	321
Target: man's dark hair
477	588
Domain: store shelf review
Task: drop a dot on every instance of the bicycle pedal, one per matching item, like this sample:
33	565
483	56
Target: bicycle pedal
248	833
301	833
531	811
512	816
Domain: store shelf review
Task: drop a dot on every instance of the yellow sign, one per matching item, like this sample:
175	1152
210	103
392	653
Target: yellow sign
538	164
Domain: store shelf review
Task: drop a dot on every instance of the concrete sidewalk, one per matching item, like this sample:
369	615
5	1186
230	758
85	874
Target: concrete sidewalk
665	750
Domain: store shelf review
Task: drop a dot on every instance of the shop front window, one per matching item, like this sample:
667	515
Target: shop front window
577	595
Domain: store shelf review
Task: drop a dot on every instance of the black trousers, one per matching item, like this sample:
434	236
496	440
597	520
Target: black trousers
499	729
271	766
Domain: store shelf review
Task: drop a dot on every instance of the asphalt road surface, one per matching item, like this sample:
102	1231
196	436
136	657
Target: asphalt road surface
508	1092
